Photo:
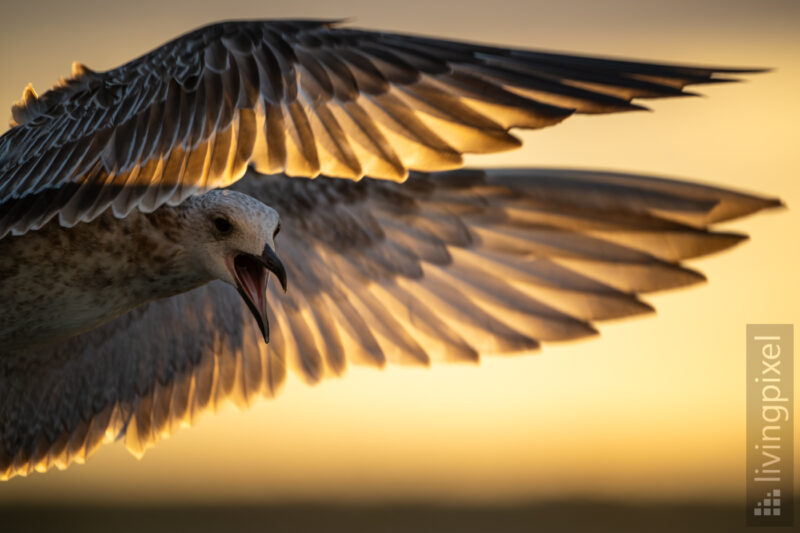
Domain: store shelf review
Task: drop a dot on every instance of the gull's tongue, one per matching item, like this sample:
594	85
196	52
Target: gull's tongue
253	277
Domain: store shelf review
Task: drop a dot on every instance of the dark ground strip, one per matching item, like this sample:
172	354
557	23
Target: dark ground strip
416	518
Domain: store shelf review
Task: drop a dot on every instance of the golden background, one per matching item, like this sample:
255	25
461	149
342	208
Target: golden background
651	411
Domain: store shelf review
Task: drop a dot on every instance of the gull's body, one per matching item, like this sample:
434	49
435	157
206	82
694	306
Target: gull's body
110	225
94	272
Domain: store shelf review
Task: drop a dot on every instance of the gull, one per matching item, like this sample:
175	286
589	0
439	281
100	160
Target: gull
142	210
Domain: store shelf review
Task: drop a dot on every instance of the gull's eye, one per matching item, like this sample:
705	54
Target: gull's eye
223	225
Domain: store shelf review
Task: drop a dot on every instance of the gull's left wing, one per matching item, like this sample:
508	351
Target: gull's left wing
442	267
301	97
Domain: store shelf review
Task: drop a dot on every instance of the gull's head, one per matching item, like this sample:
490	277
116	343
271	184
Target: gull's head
233	239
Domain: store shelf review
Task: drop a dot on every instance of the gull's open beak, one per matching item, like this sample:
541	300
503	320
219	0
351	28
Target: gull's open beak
251	273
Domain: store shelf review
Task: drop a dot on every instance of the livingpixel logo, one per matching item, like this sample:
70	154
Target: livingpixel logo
770	505
770	425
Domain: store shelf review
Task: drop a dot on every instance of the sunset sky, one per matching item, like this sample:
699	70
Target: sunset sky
653	409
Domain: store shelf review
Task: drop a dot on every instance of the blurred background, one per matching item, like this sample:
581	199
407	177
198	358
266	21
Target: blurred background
642	427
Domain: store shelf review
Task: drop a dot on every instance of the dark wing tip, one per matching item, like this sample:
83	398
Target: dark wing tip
729	75
774	203
747	70
333	23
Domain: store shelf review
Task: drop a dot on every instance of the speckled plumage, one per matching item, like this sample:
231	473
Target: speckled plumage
58	282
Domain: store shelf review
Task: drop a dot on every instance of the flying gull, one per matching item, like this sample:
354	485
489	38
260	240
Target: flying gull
140	210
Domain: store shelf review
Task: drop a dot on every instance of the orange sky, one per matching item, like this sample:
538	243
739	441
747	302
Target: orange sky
654	409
